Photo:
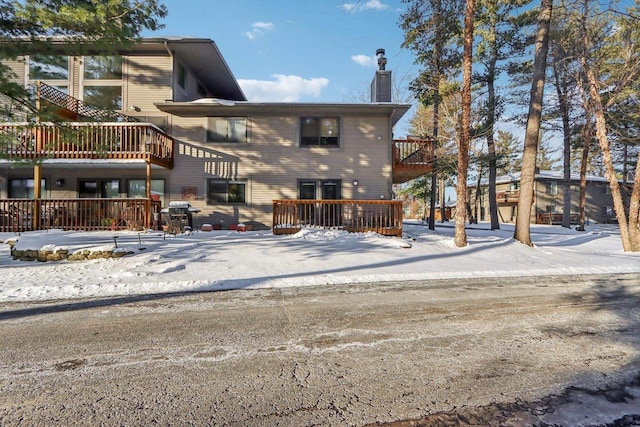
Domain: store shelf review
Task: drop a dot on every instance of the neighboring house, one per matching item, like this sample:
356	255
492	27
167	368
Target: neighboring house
167	121
548	199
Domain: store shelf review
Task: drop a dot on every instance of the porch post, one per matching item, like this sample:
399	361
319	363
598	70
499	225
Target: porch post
147	214
37	167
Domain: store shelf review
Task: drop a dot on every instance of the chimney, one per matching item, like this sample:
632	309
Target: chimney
381	84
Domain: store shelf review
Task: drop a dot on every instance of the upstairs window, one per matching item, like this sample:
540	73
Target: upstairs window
552	188
320	131
226	129
102	81
49	67
103	67
182	76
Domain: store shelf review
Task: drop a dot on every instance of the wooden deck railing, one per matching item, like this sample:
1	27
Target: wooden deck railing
380	216
555	218
30	141
507	197
19	215
412	158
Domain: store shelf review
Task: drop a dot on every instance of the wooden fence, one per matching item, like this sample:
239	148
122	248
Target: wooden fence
19	215
380	216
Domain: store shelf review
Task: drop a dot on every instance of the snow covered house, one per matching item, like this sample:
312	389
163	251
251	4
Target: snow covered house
166	120
548	198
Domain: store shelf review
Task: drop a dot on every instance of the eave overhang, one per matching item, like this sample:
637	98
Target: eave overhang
222	107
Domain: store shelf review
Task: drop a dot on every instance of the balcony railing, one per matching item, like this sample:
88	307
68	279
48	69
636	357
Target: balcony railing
507	197
412	158
19	215
380	216
30	141
555	218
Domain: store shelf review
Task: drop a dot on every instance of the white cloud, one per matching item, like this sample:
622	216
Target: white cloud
258	29
283	89
361	6
365	61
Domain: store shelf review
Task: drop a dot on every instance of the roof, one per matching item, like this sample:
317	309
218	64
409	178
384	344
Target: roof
203	58
540	176
223	107
200	55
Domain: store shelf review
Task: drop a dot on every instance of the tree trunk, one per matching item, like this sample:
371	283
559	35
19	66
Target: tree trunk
584	162
532	135
561	91
491	145
626	234
437	52
460	238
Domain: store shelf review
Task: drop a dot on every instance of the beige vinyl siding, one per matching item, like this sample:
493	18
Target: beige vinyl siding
272	162
17	66
148	81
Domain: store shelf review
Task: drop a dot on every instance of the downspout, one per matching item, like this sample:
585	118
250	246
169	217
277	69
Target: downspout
166	46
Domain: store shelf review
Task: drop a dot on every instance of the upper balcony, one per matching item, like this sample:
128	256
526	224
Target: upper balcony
508	197
110	141
412	158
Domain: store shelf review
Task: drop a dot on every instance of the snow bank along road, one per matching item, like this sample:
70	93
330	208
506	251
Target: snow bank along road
328	355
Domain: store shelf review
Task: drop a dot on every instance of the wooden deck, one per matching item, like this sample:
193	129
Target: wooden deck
412	158
555	218
508	197
20	215
123	141
380	216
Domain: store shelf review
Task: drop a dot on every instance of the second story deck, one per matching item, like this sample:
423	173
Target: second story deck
122	141
412	158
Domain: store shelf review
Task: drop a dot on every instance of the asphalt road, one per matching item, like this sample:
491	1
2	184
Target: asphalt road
519	351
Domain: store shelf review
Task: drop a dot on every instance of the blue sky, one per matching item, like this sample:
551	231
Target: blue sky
297	50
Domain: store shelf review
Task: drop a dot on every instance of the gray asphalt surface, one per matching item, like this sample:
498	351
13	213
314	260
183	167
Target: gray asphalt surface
517	351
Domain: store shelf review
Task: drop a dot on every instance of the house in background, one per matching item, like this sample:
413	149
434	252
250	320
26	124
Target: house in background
548	199
166	121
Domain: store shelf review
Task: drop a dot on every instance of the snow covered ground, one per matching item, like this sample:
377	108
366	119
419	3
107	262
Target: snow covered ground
217	260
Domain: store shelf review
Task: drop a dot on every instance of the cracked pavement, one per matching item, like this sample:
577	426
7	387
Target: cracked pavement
509	351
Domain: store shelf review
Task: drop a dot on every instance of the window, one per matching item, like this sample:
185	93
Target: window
107	97
226	129
226	191
330	189
102	81
551	209
137	188
49	67
23	188
52	69
514	185
103	67
608	211
99	188
319	131
552	187
182	76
